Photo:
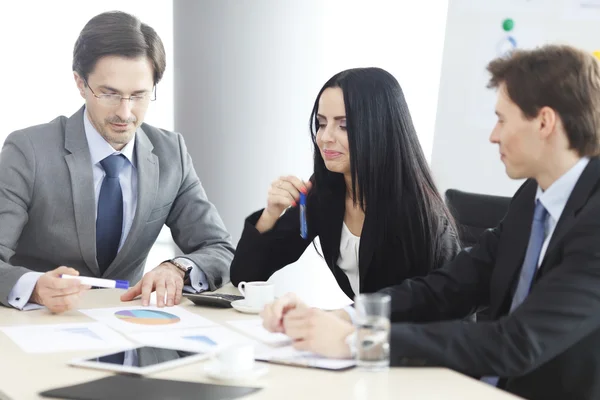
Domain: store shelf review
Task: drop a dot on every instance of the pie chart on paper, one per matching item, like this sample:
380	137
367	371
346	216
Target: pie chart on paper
147	317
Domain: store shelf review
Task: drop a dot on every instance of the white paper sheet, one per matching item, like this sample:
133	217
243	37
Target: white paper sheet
254	329
311	279
149	319
65	337
202	340
290	356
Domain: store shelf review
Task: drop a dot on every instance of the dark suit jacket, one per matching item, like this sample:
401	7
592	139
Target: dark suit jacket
549	347
258	255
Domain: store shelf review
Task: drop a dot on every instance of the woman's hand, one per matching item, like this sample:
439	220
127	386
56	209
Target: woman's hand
283	193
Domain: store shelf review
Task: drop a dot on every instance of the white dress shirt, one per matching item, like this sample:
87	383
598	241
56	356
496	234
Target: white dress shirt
99	150
348	259
555	198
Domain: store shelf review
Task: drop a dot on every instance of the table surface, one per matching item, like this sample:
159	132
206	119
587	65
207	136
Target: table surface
23	375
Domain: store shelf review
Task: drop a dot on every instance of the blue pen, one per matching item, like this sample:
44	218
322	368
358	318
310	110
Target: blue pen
98	282
303	228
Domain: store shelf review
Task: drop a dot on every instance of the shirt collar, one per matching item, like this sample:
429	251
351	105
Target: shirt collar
100	148
555	198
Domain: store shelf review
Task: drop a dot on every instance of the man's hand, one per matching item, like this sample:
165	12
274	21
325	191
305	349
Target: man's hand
318	331
166	278
343	314
58	295
274	312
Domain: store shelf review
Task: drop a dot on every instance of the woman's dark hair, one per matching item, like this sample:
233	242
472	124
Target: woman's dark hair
116	33
391	180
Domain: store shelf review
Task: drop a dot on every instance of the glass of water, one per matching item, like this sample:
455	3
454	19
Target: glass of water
373	331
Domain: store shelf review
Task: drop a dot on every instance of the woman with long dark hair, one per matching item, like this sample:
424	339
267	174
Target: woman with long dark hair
372	200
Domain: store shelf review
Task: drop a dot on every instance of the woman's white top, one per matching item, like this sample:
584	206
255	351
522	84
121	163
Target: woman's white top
348	260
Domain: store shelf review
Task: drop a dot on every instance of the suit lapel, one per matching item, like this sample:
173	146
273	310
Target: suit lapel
79	163
514	240
148	174
581	193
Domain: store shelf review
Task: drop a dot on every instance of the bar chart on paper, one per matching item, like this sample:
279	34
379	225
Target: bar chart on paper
201	340
65	337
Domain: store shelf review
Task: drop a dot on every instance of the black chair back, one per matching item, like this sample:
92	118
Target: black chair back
474	213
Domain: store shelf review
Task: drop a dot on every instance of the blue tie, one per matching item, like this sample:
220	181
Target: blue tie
532	256
109	221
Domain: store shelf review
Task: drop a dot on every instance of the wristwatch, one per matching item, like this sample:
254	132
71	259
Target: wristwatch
186	270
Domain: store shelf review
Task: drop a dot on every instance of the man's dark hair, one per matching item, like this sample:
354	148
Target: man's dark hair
116	33
561	77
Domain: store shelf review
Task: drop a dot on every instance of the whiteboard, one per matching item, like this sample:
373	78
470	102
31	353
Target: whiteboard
463	158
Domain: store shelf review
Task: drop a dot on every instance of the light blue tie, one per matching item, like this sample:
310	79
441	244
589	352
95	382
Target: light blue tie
109	221
532	256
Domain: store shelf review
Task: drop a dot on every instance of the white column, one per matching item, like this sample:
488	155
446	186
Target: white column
245	80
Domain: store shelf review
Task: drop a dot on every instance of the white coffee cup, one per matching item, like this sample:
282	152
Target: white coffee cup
257	294
236	359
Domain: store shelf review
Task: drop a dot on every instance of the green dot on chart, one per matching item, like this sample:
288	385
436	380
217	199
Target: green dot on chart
508	24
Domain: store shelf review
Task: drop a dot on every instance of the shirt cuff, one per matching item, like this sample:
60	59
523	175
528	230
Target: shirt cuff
351	313
21	293
198	281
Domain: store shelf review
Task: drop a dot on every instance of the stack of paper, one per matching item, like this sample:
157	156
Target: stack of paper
254	329
290	356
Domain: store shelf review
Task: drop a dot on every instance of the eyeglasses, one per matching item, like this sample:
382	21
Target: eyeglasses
114	100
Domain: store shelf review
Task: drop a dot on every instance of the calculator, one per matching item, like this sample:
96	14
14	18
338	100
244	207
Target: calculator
222	300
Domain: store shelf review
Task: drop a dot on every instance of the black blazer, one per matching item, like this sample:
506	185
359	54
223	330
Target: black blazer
258	255
549	347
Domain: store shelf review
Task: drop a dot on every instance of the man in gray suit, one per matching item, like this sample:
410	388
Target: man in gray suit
89	194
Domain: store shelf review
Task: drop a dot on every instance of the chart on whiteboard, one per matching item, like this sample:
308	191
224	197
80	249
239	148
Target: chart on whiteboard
582	9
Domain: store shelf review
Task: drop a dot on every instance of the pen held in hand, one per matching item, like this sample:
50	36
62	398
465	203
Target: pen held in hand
98	282
303	227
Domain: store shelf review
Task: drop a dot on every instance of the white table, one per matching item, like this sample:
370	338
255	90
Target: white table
23	376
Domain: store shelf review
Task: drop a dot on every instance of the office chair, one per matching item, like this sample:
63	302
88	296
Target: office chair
474	213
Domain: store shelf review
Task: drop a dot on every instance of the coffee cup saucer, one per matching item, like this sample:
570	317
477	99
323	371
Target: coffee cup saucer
241	306
214	370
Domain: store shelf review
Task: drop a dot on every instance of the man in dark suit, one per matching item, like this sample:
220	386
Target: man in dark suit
538	271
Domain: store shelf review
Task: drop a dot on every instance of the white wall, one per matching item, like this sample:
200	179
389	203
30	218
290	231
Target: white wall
463	157
37	39
247	73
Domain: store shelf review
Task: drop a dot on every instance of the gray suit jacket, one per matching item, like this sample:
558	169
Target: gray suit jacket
47	206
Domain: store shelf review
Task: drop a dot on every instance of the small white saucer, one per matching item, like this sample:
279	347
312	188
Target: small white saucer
213	370
241	306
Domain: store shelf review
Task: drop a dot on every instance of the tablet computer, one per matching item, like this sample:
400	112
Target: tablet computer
140	360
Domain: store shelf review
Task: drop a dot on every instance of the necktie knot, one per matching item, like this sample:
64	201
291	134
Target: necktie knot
540	213
113	164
